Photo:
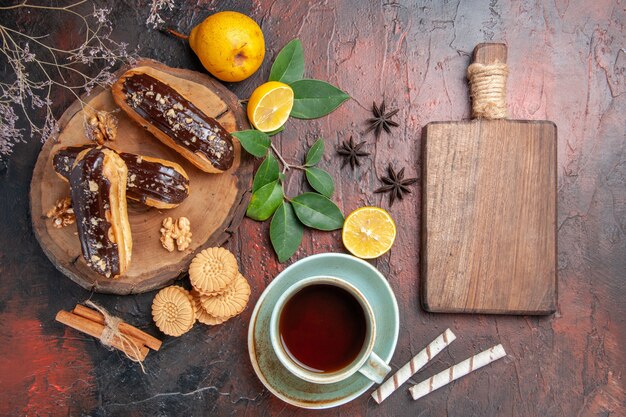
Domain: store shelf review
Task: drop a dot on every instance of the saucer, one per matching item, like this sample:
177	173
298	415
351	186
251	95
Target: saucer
276	378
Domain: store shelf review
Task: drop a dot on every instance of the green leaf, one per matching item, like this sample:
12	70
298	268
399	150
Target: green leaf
277	131
315	153
289	63
285	232
316	211
321	181
265	201
268	172
315	98
281	176
253	141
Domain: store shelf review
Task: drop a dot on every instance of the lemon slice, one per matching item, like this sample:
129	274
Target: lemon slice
368	232
269	106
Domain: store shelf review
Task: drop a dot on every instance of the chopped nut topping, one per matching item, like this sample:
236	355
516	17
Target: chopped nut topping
93	186
178	232
135	100
178	106
171	113
62	214
188	120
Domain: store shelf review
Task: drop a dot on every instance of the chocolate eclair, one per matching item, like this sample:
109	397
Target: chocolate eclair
98	191
154	182
174	120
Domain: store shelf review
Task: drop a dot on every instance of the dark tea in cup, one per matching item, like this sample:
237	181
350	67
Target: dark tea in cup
323	328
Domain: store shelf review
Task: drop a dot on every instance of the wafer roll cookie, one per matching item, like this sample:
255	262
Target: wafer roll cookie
414	365
457	371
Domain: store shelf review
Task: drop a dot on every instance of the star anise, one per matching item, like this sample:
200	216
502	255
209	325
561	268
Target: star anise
351	152
395	184
381	120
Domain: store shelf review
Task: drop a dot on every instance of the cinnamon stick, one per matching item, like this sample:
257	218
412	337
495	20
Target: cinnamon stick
94	329
93	315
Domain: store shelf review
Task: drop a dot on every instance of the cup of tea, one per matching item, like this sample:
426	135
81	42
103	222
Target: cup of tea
323	330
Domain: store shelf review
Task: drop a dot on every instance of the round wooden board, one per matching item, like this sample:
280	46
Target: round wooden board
215	206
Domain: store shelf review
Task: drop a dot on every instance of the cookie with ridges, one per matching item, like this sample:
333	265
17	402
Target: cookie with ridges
230	302
201	315
173	310
212	270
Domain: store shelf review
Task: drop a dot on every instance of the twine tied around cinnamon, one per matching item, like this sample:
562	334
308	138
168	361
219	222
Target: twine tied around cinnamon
488	89
112	331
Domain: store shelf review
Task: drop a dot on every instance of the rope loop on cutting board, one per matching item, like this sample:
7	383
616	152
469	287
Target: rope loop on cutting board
488	90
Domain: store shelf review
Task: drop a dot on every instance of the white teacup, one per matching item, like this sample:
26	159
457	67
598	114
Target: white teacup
367	362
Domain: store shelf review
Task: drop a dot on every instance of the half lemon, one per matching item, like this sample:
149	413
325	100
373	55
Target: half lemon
368	232
270	105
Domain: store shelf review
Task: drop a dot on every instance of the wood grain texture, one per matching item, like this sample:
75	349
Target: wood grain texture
225	196
570	67
489	53
489	217
489	213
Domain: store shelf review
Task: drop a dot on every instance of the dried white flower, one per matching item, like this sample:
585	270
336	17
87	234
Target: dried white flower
101	15
28	58
154	18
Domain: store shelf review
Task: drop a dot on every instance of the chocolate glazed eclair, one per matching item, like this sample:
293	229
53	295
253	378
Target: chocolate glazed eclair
154	182
174	120
98	191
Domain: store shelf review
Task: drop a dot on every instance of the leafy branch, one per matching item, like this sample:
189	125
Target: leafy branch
27	57
289	215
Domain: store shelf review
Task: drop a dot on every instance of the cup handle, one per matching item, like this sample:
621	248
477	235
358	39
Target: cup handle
375	368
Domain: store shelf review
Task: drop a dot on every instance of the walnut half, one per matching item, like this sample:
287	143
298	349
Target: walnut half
176	233
101	126
62	214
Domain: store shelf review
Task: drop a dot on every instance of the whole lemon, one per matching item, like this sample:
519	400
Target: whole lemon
230	45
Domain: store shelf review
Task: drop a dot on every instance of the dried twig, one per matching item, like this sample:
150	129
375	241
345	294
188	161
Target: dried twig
154	19
35	68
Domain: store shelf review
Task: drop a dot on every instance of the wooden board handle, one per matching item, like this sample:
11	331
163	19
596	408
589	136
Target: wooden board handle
489	53
488	84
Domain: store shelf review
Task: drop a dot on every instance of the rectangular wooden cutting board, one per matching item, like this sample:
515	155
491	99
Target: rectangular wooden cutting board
489	213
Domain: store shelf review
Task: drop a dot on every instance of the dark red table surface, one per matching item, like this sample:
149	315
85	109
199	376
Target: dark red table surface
567	65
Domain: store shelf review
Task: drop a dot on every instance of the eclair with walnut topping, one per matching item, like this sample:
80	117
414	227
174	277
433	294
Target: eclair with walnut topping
154	182
174	120
98	192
